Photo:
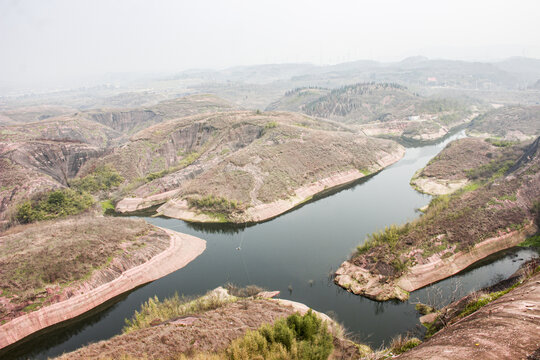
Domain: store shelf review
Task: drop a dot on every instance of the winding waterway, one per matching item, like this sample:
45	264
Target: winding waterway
295	254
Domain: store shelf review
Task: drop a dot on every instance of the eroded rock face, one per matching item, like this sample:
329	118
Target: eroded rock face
126	121
60	161
506	328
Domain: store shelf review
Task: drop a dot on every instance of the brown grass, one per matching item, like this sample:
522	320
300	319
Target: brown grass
43	262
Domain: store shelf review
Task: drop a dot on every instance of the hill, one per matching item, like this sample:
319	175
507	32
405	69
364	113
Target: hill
455	166
382	109
498	211
508	123
241	166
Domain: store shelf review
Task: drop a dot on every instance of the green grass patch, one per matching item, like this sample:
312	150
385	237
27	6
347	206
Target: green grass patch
213	204
107	206
500	142
389	236
483	301
296	337
533	241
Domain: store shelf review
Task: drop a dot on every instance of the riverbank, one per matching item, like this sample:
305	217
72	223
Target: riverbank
182	249
498	211
180	209
363	282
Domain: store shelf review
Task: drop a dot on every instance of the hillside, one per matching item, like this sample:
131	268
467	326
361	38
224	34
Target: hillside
497	211
508	123
382	109
40	156
56	270
241	166
454	167
295	100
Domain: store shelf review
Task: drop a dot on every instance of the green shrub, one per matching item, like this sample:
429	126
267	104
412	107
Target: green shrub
296	337
104	178
55	204
213	204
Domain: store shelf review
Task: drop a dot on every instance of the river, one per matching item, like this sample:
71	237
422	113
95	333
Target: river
296	254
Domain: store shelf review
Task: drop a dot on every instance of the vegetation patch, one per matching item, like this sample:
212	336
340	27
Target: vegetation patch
154	311
533	241
401	344
104	178
52	205
213	204
296	337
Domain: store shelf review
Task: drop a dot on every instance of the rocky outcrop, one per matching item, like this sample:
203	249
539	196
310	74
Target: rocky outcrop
507	328
183	249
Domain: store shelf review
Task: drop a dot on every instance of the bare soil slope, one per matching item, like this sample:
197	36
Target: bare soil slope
455	165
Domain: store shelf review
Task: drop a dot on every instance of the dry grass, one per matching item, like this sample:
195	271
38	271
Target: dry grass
38	261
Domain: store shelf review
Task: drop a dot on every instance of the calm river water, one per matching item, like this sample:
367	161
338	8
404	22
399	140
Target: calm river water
295	254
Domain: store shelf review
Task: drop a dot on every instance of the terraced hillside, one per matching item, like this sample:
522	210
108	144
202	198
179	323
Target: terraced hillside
382	109
515	123
497	211
241	166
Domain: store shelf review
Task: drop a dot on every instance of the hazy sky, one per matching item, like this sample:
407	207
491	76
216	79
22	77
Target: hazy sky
47	40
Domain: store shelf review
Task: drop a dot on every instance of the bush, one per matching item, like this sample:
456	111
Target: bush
401	344
296	337
212	203
55	204
102	179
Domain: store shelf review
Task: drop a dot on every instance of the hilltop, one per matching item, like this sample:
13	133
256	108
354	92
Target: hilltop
241	166
497	211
